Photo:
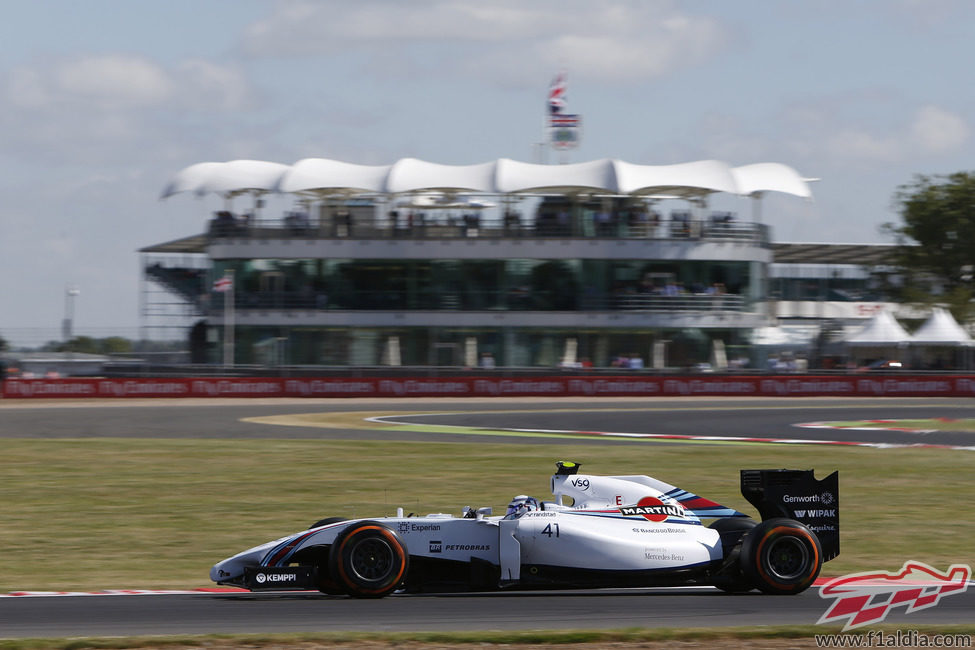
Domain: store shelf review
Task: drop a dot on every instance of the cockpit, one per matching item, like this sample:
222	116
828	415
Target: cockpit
520	505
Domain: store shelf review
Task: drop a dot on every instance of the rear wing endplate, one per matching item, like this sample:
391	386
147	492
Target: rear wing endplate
796	494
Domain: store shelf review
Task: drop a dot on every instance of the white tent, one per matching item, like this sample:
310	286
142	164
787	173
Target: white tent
942	343
881	340
880	331
941	329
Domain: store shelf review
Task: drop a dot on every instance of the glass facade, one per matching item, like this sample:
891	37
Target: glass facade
486	285
832	282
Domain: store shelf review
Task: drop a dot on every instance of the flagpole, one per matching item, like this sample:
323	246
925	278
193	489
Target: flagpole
228	322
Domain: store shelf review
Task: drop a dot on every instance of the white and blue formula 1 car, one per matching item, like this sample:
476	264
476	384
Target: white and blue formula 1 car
620	531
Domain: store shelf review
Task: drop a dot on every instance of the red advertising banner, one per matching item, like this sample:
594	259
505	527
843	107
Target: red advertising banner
487	386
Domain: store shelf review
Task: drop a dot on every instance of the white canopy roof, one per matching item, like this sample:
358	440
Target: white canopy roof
503	176
685	180
227	178
881	330
941	329
412	175
594	176
189	179
764	177
323	176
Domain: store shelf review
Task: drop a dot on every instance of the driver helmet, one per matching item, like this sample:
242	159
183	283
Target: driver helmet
520	505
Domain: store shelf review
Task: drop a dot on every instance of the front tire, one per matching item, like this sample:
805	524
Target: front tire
781	556
326	521
325	582
368	560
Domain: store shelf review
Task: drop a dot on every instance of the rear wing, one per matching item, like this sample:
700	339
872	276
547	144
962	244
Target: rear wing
796	494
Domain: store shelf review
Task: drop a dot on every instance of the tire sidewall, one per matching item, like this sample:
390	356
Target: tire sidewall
341	555
758	544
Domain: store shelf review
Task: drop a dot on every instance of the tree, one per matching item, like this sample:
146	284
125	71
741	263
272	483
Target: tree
115	345
82	344
89	345
937	239
4	346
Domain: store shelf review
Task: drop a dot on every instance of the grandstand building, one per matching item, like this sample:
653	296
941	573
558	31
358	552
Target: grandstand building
504	263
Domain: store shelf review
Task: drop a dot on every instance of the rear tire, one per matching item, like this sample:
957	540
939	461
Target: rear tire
732	530
368	560
781	556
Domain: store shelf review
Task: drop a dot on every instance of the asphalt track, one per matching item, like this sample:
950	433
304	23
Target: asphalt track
202	613
762	418
301	612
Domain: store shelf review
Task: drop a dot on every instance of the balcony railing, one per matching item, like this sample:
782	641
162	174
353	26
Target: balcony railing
723	228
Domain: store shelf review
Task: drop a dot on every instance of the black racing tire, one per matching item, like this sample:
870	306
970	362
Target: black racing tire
781	556
732	530
368	560
326	521
326	583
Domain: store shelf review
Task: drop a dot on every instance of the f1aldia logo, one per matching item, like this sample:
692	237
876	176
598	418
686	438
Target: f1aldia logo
653	509
865	598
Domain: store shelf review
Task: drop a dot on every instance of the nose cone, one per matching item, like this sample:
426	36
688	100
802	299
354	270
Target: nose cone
229	571
218	573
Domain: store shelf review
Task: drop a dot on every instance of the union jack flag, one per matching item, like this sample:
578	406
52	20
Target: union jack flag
556	94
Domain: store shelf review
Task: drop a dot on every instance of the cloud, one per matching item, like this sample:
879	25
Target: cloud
937	131
104	82
851	143
609	40
933	131
112	82
108	105
206	85
830	130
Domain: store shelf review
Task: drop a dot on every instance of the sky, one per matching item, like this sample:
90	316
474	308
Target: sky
102	102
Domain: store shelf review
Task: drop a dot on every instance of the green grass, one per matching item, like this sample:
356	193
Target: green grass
966	425
123	513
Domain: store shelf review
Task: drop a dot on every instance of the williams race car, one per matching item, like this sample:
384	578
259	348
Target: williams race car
619	531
